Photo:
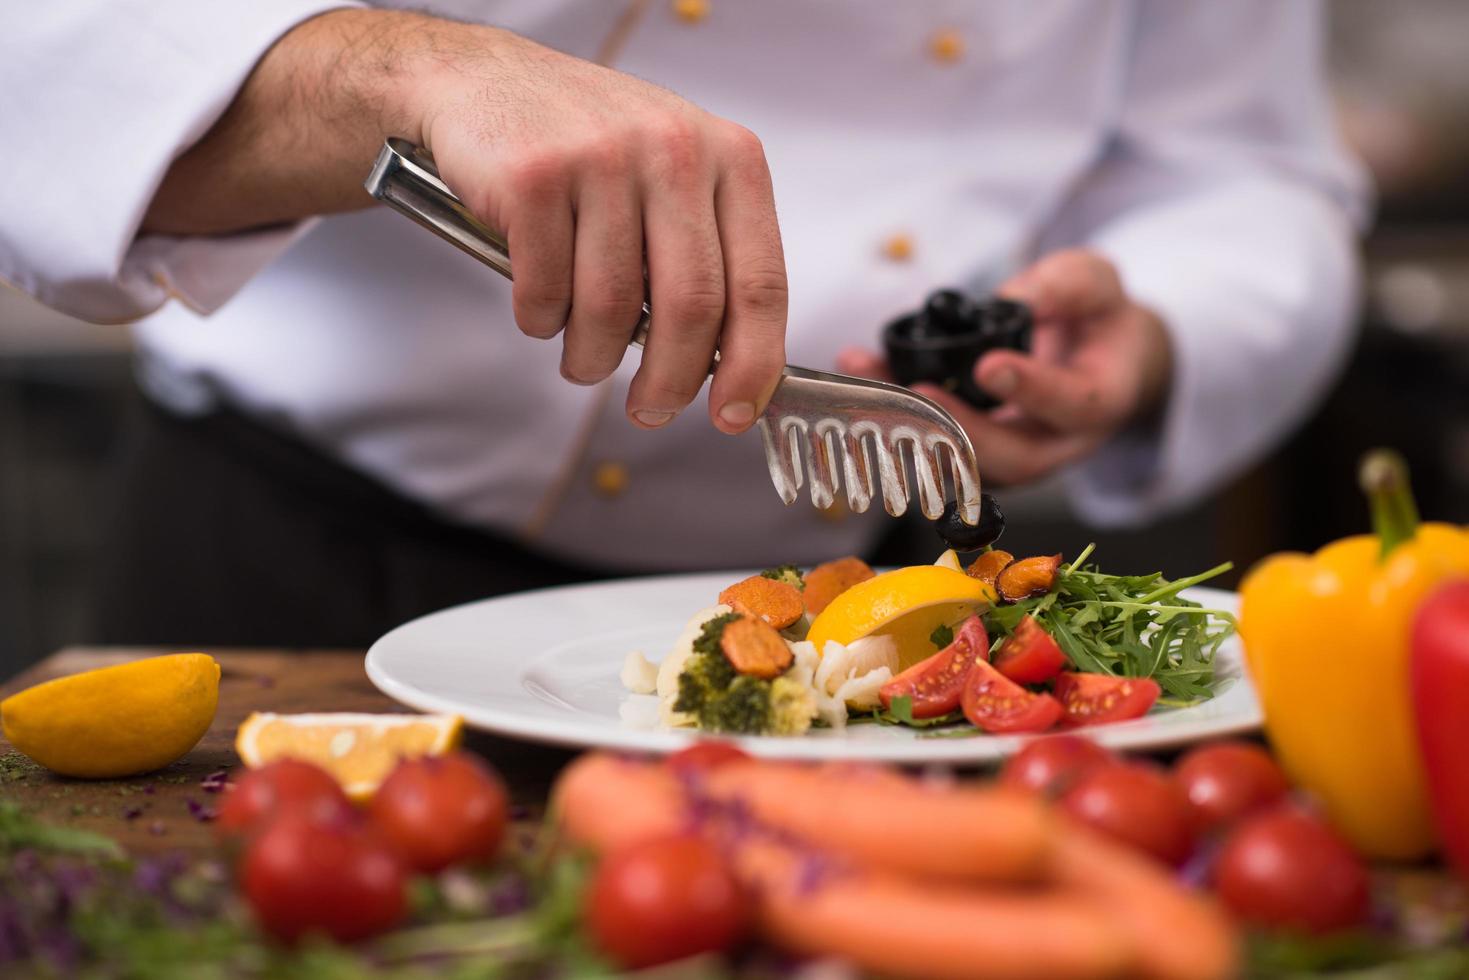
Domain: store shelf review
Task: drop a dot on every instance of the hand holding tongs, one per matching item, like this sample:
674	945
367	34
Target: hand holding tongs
841	426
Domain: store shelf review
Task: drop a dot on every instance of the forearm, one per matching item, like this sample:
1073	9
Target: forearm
299	137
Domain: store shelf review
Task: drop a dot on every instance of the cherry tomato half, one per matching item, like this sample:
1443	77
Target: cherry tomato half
1137	805
1096	699
665	899
1029	655
282	786
936	685
1052	764
304	875
706	754
1287	869
436	811
997	704
1226	780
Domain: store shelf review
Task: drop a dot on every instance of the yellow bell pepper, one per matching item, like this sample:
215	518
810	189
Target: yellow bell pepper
1327	643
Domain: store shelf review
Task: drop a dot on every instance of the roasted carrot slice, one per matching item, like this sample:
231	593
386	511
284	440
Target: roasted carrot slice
1027	577
827	581
988	565
753	647
777	603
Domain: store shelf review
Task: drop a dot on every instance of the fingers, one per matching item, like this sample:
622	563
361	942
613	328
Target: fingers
752	340
1011	452
607	286
686	276
862	363
1072	284
1063	398
539	233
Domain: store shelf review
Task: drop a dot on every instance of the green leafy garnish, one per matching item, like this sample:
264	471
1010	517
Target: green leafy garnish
941	636
1127	626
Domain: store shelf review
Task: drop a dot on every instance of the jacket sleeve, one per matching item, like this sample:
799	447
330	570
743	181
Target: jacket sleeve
1230	209
98	98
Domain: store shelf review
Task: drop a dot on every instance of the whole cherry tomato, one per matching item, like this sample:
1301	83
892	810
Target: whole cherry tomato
306	875
1052	764
665	899
1287	869
706	754
282	786
1136	804
1226	780
436	811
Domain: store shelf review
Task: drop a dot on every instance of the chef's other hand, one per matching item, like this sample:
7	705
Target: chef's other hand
1099	363
591	174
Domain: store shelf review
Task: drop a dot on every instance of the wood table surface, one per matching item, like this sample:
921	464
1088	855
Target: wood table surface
161	811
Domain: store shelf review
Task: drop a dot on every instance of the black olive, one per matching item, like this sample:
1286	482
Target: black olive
961	536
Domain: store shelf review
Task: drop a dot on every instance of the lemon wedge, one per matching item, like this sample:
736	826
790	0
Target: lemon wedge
359	749
115	721
907	604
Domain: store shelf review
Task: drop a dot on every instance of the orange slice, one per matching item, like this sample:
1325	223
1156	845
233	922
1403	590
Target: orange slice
359	749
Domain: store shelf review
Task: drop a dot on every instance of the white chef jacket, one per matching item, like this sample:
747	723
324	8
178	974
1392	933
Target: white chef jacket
1189	142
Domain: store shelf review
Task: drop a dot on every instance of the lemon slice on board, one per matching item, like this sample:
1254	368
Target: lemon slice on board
907	604
358	749
115	721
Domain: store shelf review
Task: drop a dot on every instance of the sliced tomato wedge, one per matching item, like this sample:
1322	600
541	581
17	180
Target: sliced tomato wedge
997	704
936	685
1095	699
1029	655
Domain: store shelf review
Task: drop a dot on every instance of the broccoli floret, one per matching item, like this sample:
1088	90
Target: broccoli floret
723	700
791	707
789	574
708	640
743	708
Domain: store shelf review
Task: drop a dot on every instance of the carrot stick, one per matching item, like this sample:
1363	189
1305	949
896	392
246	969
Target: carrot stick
880	819
1178	935
902	927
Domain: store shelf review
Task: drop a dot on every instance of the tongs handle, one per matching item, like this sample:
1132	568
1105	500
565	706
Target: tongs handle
405	179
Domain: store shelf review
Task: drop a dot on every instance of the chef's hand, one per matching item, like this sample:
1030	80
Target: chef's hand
1099	363
588	172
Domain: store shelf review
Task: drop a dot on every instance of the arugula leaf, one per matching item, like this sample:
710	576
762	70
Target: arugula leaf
941	636
1128	626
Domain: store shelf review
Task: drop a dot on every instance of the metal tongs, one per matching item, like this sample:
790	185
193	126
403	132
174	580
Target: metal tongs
845	430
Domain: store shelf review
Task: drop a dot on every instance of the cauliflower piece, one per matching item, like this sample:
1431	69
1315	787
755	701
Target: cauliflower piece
792	706
861	692
639	674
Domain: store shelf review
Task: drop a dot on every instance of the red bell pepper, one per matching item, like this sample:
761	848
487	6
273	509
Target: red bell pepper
1440	671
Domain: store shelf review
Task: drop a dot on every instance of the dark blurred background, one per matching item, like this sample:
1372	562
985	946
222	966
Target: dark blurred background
1402	82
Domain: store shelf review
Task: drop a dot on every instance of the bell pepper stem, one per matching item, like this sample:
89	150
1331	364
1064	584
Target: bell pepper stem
1384	478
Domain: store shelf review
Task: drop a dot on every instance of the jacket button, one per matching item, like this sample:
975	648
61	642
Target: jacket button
609	479
898	247
946	46
691	11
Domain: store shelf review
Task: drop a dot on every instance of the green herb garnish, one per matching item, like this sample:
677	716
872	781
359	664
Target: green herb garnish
1127	626
941	636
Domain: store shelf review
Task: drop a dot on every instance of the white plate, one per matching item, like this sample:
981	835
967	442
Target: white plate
544	666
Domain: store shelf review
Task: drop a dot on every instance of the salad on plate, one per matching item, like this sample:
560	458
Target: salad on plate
1002	645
